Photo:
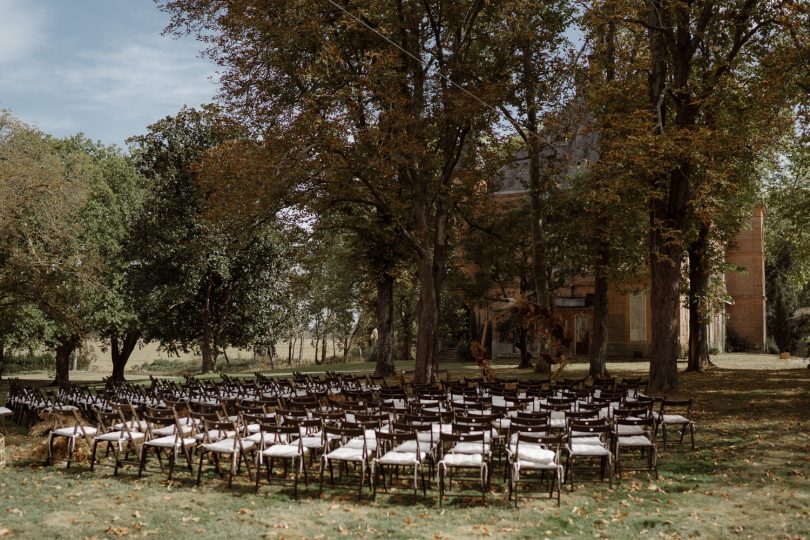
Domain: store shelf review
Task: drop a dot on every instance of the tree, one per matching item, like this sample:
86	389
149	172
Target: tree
53	255
693	55
204	279
500	248
539	81
381	90
787	242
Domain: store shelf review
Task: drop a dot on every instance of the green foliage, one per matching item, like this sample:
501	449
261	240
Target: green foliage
787	240
737	343
18	363
60	268
200	284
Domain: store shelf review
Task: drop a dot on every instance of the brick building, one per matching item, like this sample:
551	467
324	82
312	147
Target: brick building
630	312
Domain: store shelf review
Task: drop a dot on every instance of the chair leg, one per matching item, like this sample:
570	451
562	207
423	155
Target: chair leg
441	485
569	469
362	479
375	474
142	464
49	459
172	459
187	453
93	456
323	466
295	480
71	446
199	468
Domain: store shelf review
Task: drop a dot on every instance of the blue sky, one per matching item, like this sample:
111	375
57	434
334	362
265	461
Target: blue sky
96	66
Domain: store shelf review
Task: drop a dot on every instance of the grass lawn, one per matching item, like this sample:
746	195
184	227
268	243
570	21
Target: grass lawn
747	479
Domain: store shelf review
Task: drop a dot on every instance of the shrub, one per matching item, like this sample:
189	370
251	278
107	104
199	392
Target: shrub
714	350
29	362
736	343
464	351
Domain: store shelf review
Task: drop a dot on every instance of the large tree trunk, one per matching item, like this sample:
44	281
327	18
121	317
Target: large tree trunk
522	343
536	184
407	332
667	216
428	332
301	349
599	338
427	337
317	349
121	349
698	290
385	323
324	342
665	270
208	349
66	346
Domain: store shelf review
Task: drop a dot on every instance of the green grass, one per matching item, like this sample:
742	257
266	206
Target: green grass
747	479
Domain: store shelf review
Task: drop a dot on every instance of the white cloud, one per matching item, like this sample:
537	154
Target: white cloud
23	28
140	76
109	81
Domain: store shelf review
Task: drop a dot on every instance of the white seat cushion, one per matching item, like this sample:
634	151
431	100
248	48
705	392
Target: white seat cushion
470	448
634	440
313	442
526	464
629	430
228	446
398	458
410	447
5	411
170	430
532	452
90	431
345	453
463	460
675	419
170	441
588	450
115	436
592	439
284	451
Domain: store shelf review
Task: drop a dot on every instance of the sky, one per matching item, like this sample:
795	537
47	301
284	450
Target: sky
100	67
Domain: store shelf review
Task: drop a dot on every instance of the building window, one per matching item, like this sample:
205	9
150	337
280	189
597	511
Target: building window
638	316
